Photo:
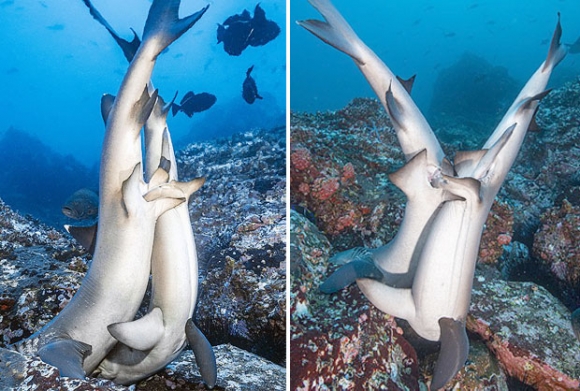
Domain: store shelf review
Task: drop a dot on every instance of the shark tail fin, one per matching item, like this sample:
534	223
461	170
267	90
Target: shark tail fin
203	352
335	30
129	48
557	51
163	25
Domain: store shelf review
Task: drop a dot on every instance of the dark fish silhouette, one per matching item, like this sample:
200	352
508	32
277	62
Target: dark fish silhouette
574	48
242	30
194	103
83	204
249	89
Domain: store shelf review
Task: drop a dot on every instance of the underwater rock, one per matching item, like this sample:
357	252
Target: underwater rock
59	176
344	184
556	247
237	370
239	221
471	94
527	329
497	233
240	233
339	342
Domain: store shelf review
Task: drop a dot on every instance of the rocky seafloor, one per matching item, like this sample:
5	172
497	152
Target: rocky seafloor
239	221
527	278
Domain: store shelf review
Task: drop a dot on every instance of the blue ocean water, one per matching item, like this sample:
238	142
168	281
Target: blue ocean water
56	62
423	37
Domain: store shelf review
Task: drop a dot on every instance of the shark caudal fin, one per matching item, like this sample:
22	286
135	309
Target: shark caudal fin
141	334
203	352
129	48
67	355
557	51
453	352
163	25
335	30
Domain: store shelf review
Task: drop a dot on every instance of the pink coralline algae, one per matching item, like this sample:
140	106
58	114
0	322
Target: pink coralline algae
556	243
324	188
301	159
497	233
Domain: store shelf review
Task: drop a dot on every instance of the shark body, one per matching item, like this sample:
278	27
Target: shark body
444	255
148	344
77	339
397	260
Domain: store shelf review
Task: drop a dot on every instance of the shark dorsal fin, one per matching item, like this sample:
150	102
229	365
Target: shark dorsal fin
407	84
107	101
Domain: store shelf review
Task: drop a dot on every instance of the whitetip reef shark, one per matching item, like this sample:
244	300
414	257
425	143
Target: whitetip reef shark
151	342
444	251
78	339
396	261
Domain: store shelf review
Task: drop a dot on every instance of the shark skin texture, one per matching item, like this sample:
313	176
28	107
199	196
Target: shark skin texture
148	344
396	260
437	302
77	339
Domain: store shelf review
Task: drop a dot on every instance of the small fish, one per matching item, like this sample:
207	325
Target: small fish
250	90
242	30
574	48
56	27
194	103
82	205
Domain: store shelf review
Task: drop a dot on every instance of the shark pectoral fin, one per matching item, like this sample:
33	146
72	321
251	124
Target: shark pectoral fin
410	177
67	355
190	187
557	51
107	101
576	323
407	84
144	106
203	352
349	273
141	334
86	236
485	164
130	188
161	175
453	352
335	31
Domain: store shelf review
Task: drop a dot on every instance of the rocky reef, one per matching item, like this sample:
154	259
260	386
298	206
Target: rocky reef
527	253
239	221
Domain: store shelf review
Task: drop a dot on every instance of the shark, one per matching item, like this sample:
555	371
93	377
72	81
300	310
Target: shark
151	342
437	302
78	339
397	260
